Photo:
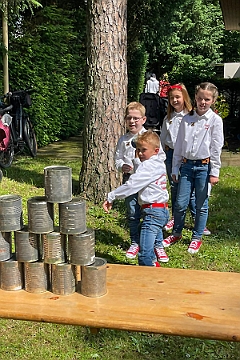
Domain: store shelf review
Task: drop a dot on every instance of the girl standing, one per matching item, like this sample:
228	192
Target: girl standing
197	156
179	104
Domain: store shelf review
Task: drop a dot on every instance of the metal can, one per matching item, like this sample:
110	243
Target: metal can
54	248
11	275
72	216
11	218
94	278
63	279
36	275
81	248
58	183
40	215
5	246
26	246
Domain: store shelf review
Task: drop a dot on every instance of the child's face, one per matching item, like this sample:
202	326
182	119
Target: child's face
135	121
204	100
146	150
176	100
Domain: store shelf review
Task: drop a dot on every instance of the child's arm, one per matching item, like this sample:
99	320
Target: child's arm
163	134
217	141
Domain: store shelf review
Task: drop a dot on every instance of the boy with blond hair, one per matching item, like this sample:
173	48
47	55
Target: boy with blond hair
149	182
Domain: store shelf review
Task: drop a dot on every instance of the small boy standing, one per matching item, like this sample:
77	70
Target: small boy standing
125	153
149	181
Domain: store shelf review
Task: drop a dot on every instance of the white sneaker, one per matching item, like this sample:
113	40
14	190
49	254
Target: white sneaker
206	231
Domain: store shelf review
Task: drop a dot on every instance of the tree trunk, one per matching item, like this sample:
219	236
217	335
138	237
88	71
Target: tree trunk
106	96
5	44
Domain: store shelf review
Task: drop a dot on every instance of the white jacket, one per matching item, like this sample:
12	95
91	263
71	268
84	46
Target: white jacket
149	181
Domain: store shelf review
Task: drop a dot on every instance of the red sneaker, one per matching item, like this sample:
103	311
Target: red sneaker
194	246
171	240
169	225
161	255
156	264
132	251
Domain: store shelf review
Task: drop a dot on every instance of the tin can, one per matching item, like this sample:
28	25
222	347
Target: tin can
58	183
72	216
11	218
40	215
54	248
5	246
81	248
36	275
27	246
11	275
63	279
94	278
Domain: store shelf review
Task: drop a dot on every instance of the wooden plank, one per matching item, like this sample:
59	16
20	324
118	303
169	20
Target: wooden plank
192	303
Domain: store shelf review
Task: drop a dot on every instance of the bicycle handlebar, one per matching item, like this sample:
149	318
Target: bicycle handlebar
6	109
19	92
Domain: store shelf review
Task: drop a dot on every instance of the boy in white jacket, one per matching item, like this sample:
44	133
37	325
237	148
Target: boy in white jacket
149	181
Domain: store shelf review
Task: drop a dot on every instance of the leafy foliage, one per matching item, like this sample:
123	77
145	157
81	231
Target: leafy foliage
44	54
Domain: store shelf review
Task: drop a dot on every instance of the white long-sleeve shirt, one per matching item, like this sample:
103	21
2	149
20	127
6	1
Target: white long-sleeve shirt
199	137
152	86
170	129
149	181
125	152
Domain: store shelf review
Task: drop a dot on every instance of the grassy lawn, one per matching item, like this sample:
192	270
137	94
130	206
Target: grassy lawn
220	252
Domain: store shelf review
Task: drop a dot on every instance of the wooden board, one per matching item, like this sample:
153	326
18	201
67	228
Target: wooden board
192	303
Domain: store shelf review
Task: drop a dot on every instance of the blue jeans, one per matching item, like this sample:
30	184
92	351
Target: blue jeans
174	185
154	219
133	217
194	176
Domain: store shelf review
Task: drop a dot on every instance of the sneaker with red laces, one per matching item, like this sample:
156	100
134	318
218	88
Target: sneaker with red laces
161	255
132	251
169	225
206	231
156	264
194	246
170	240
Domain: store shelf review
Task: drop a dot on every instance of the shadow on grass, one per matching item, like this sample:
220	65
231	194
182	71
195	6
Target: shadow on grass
22	174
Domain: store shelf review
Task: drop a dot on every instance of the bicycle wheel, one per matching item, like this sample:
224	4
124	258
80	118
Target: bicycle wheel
6	157
30	137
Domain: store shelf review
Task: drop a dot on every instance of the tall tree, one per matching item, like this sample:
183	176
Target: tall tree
106	95
14	5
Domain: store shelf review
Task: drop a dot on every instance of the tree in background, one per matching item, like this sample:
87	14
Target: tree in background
106	95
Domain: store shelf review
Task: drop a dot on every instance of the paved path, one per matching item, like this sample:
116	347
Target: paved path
71	149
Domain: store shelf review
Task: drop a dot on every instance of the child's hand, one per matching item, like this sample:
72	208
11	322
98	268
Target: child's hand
213	180
107	206
126	168
174	178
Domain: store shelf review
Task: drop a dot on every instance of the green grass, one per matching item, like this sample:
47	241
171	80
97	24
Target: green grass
220	252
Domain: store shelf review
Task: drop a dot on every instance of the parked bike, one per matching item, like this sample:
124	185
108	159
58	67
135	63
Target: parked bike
22	134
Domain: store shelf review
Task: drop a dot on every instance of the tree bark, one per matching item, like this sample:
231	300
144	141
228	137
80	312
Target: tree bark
106	96
5	44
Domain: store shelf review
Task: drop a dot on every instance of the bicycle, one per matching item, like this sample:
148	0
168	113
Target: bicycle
22	134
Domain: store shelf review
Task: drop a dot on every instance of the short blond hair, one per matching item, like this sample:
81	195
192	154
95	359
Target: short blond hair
135	106
149	137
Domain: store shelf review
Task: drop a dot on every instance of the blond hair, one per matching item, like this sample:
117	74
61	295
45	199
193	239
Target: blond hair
210	87
135	106
187	104
150	137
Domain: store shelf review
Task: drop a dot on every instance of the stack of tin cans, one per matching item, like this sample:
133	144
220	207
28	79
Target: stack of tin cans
50	257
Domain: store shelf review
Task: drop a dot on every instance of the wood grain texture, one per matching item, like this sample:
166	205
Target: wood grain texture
191	303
